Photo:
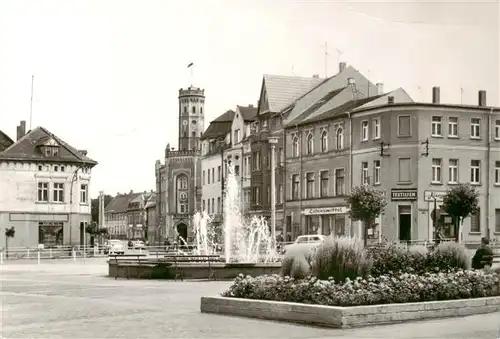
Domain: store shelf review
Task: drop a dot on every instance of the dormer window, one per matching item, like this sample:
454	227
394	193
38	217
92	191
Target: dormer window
50	151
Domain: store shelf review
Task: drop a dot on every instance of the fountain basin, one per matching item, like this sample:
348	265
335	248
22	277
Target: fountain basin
190	271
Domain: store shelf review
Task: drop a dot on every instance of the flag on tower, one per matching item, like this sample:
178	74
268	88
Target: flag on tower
191	64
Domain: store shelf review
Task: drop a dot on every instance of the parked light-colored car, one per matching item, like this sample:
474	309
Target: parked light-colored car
310	240
113	247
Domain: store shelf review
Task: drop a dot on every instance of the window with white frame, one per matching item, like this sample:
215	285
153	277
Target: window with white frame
310	185
453	171
453	127
323	188
376	172
339	181
58	192
43	191
295	146
295	186
475	170
364	130
324	141
310	143
436	126
364	173
376	128
475	124
497	172
340	138
436	170
84	194
497	129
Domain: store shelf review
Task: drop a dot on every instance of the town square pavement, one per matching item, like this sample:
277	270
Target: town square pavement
64	299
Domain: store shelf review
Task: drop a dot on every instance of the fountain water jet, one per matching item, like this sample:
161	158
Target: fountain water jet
244	241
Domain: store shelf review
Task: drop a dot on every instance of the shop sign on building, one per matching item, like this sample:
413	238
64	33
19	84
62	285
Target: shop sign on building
325	210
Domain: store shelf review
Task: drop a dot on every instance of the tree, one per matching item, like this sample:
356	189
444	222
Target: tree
366	203
460	202
9	233
94	231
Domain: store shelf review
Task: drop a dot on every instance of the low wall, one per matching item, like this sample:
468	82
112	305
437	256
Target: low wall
221	271
337	317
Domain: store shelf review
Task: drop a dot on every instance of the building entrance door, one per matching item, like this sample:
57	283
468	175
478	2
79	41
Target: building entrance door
182	231
404	213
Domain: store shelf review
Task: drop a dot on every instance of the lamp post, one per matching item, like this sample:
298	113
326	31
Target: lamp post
273	141
73	179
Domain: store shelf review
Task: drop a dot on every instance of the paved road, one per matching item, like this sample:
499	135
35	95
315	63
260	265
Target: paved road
75	300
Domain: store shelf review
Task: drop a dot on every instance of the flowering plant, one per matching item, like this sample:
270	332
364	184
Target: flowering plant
385	289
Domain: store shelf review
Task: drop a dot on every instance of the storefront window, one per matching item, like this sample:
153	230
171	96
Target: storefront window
50	234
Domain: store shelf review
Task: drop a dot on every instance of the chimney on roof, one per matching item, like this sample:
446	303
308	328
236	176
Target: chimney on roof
342	66
21	130
380	88
316	76
390	99
83	151
436	96
481	98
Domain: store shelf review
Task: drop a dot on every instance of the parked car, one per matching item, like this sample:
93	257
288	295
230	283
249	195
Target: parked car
112	247
138	244
310	240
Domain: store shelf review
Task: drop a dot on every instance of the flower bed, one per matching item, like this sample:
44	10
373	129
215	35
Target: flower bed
402	288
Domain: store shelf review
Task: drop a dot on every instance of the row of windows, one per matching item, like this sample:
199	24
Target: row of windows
437	129
453	174
58	192
210	207
257	198
339	142
323	188
193	110
59	168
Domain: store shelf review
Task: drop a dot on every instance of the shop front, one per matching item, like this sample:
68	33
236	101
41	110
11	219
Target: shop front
404	199
325	220
438	218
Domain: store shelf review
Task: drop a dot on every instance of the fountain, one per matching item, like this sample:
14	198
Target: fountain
245	241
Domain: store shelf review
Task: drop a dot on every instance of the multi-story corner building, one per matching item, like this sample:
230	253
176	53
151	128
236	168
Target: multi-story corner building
417	151
44	190
181	172
215	140
318	162
137	216
116	218
239	152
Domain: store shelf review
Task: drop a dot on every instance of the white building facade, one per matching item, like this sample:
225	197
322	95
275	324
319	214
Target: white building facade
45	191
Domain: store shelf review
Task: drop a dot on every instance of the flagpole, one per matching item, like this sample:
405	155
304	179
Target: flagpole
31	102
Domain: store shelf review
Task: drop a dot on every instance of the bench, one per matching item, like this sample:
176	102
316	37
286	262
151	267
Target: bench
183	259
128	260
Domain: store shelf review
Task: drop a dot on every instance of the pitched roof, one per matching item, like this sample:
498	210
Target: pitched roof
5	141
319	104
248	113
282	90
26	149
336	111
225	117
219	127
119	204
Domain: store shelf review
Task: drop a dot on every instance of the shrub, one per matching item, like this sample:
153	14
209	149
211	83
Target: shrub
341	258
449	256
394	258
402	288
297	262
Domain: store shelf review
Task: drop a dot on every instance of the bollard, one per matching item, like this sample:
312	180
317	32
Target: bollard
38	257
140	250
28	254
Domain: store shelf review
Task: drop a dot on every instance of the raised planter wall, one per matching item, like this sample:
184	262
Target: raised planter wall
193	271
337	317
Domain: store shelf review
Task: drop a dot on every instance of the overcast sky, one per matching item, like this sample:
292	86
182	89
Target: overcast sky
107	73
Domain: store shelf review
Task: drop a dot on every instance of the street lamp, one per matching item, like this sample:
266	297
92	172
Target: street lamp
273	141
73	179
